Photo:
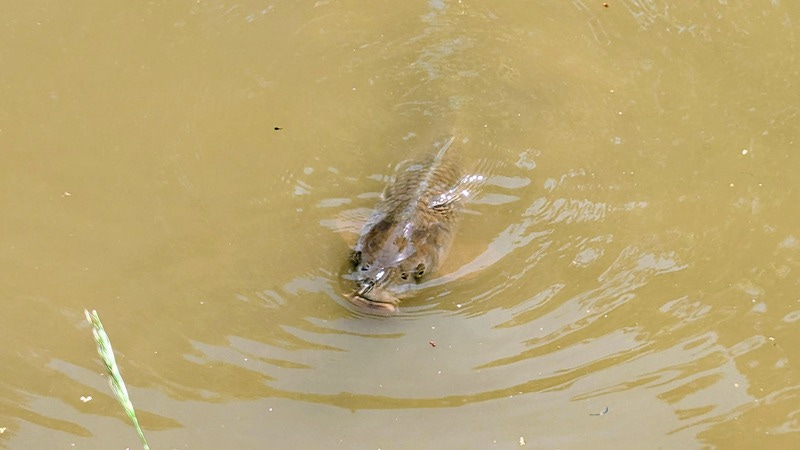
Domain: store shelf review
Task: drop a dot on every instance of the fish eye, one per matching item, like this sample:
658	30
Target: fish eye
404	275
355	257
364	267
420	270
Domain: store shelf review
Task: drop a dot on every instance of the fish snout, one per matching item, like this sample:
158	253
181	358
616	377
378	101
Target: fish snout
365	286
374	299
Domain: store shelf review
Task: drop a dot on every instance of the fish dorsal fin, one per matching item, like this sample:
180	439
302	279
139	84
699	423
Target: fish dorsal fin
461	191
445	147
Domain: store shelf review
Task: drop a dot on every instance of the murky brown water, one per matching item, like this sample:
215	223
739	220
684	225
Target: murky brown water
636	250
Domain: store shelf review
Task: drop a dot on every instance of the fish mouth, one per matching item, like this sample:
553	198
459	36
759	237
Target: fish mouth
386	305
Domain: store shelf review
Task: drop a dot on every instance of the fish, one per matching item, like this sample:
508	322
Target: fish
411	230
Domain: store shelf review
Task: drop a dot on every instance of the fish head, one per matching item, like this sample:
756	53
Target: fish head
380	284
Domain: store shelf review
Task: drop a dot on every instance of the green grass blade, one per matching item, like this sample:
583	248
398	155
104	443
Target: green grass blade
115	381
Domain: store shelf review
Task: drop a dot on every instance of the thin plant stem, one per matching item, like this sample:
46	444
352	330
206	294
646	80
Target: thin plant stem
115	381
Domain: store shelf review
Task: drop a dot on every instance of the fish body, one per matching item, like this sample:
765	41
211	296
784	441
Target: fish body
411	230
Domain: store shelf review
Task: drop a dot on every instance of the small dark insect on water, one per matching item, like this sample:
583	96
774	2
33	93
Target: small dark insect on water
411	230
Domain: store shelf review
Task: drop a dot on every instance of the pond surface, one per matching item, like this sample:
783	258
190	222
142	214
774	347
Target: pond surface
197	172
